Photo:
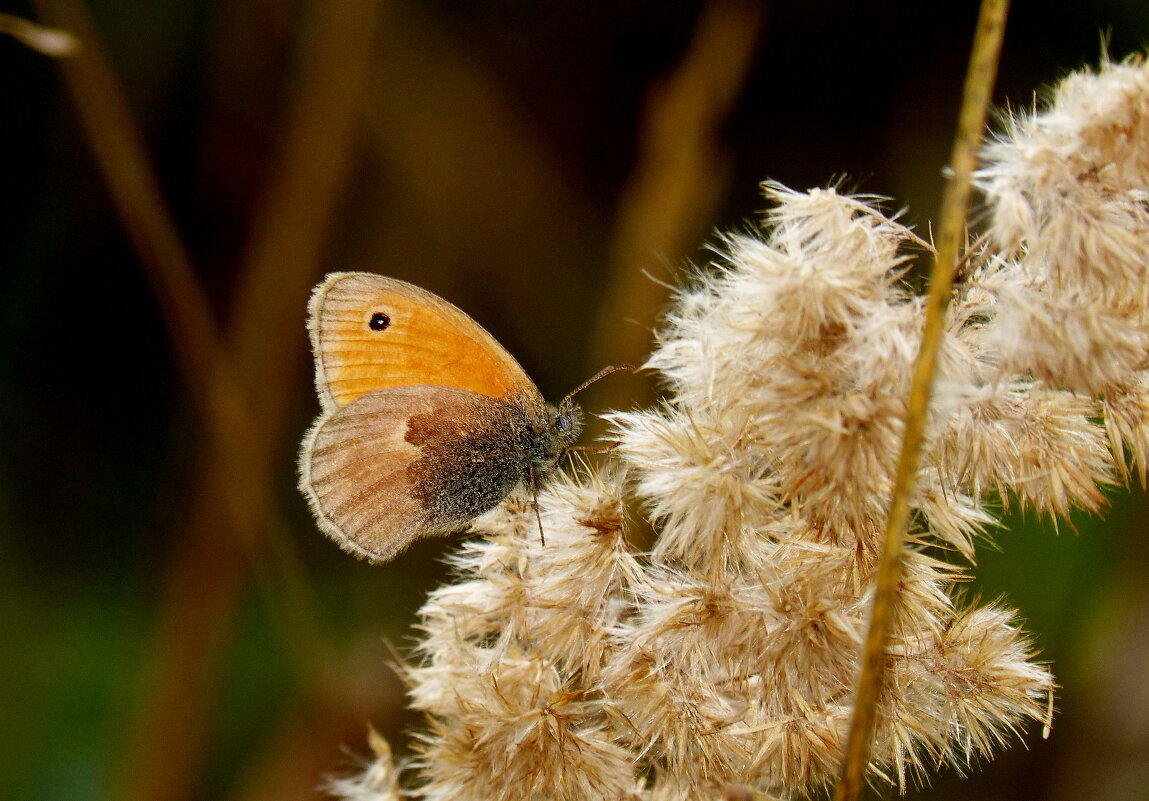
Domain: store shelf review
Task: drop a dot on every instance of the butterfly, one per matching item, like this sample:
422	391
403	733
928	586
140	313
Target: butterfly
427	421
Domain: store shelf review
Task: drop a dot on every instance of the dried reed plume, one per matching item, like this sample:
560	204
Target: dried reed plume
723	662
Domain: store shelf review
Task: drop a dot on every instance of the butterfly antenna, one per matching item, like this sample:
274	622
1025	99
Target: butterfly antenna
603	373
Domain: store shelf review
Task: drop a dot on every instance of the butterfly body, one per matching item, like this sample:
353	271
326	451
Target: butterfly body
427	421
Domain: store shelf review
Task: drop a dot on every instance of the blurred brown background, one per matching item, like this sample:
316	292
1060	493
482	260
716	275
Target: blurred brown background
172	624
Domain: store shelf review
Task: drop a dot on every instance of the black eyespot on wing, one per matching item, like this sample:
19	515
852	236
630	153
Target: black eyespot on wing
379	321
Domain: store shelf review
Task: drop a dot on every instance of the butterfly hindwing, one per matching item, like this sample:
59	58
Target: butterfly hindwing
399	464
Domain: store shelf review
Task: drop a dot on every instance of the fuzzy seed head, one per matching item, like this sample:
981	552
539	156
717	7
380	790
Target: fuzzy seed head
721	663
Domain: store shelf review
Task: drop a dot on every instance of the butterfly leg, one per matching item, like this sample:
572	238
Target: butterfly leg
535	503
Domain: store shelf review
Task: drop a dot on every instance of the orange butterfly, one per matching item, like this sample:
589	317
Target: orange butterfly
426	422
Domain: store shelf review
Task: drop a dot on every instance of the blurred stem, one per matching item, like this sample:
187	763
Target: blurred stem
671	197
240	385
47	41
121	157
971	123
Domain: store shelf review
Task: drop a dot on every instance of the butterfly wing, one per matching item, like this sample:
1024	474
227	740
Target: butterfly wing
370	333
399	464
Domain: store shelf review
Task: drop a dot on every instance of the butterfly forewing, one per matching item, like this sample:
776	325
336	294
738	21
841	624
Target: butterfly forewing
371	333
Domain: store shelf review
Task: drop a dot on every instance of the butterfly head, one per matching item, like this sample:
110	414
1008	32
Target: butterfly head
563	425
566	422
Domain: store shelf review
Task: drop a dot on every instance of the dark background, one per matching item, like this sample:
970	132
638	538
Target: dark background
172	624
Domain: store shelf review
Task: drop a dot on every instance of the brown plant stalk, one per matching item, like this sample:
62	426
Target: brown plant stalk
975	106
